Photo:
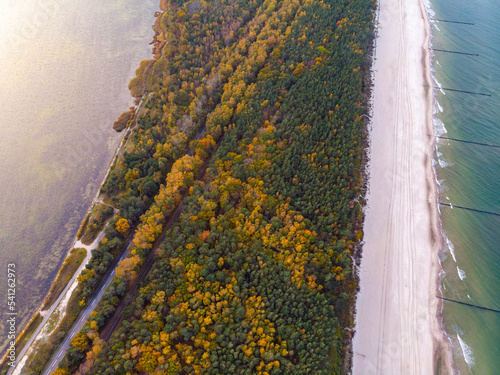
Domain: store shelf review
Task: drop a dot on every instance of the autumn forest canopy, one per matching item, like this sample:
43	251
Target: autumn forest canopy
250	135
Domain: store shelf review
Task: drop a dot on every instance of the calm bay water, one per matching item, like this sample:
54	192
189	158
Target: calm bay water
64	71
469	175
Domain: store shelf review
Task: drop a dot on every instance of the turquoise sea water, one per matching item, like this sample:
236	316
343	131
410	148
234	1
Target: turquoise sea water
469	176
64	71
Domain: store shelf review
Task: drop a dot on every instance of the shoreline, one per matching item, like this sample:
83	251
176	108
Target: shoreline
21	358
443	354
398	322
73	283
24	351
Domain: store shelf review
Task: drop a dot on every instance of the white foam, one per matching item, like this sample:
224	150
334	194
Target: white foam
443	164
461	274
438	84
439	127
429	10
451	247
437	108
467	352
440	109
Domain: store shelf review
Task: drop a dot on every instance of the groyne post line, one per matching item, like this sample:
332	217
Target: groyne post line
468	304
457	52
469	209
471	142
450	21
462	91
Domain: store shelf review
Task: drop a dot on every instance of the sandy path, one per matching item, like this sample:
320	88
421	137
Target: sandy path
397	329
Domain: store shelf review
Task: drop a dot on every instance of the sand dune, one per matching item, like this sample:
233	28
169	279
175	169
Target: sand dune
397	330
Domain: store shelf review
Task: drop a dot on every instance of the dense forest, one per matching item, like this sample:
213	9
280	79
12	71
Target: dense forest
243	179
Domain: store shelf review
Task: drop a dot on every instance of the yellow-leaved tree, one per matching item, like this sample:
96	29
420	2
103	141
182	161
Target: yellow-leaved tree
122	226
60	371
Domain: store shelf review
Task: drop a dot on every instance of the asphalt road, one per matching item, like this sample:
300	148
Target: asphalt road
84	315
82	318
97	297
54	306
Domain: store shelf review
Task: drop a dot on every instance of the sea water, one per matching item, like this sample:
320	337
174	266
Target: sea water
64	71
469	176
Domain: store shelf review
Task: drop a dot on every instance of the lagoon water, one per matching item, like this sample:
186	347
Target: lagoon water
64	71
469	176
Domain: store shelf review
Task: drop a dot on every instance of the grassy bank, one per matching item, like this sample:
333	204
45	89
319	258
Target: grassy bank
41	354
68	269
95	223
23	338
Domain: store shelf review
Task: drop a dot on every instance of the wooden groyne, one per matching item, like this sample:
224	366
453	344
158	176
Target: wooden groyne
456	52
471	142
468	304
469	209
461	91
450	21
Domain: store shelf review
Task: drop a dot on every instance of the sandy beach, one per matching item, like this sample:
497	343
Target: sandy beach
397	322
